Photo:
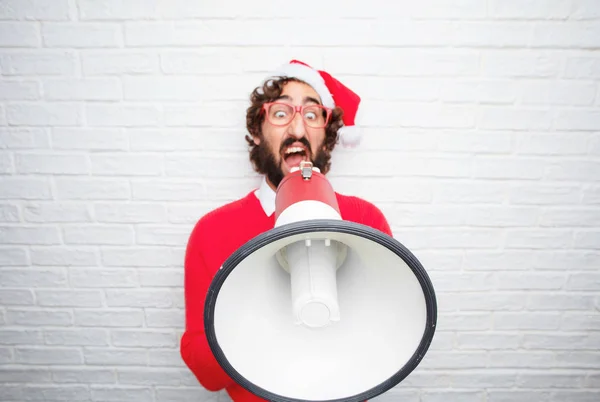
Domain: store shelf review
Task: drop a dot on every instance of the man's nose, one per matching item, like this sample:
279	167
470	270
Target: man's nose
297	128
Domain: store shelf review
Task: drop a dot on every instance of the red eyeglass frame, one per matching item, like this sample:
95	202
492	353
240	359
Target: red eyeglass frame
297	109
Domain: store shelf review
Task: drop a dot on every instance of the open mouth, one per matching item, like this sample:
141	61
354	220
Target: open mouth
294	154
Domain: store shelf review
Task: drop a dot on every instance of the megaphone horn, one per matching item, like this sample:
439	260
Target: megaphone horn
319	308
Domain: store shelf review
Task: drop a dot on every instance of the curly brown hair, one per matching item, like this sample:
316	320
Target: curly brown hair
268	92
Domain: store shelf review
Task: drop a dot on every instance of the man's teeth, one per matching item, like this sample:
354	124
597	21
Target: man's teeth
291	150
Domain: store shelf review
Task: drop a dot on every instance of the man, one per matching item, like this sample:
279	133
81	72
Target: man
292	117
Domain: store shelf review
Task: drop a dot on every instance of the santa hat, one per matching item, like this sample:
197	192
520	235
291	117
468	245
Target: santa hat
332	92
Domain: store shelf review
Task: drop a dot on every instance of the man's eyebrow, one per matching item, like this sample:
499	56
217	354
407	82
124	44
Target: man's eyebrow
306	99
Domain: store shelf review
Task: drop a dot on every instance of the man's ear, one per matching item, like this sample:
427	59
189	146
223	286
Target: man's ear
256	139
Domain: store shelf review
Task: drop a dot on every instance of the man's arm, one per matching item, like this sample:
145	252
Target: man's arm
377	220
194	348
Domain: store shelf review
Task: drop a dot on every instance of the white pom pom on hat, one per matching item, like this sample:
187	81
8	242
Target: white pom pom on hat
332	92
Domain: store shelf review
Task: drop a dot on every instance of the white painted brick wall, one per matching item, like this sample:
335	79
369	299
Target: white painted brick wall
122	122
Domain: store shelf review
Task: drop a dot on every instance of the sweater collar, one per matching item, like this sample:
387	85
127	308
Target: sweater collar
266	196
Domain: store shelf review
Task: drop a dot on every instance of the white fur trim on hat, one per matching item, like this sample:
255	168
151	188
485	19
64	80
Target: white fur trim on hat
308	75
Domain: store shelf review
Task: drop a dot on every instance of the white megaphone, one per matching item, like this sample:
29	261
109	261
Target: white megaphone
319	308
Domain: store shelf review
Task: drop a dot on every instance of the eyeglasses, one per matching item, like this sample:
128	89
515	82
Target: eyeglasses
281	114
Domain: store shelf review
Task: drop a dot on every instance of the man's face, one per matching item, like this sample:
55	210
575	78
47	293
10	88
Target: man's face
284	147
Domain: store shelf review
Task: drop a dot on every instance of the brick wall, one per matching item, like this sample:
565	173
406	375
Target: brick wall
122	122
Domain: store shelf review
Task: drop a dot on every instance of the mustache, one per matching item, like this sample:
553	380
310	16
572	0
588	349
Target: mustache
290	140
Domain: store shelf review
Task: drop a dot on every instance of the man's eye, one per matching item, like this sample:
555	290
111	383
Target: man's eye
310	115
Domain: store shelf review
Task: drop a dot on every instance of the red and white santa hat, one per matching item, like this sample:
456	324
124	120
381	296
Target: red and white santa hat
332	92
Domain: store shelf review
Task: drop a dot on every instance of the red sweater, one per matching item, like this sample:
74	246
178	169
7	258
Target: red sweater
214	238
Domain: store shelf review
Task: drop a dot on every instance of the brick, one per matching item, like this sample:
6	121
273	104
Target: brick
22	375
24	138
222	115
451	281
529	281
538	239
576	359
465	322
558	341
583	281
51	164
48	356
516	395
163	318
9	213
569	93
526	321
16	297
580	322
490	142
29	235
78	35
109	318
140	298
56	212
69	298
506	359
121	393
445	360
19	34
570	120
19	90
83	375
411	215
6	164
559	302
6	356
115	357
118	62
26	278
530	9
573	260
164	358
13	257
130	165
572	35
500	118
129	213
90	89
489	34
62	257
179	393
587	239
146	339
591	195
184	88
92	189
101	278
450	238
492	260
520	64
39	318
158	190
173	139
35	10
569	217
161	277
141	257
155	377
188	214
440	396
89	139
572	170
162	235
582	67
121	115
575	395
42	62
53	393
44	114
475	191
117	10
99	235
544	194
491	341
77	337
572	143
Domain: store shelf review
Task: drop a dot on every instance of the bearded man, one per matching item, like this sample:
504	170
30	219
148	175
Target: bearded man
292	118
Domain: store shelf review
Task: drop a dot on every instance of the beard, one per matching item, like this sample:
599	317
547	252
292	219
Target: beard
273	169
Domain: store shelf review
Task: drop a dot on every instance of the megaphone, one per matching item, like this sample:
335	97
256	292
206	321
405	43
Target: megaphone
319	308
